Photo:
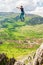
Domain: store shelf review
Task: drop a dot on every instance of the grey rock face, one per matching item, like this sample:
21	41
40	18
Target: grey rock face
38	59
19	63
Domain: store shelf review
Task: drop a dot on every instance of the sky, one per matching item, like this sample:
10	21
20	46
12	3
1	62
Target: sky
30	6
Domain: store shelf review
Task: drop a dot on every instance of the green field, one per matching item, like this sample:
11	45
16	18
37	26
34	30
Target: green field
11	51
15	34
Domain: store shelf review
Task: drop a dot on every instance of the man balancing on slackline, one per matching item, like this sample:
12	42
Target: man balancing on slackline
22	13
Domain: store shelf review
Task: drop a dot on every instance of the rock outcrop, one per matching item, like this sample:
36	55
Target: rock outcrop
19	63
4	60
38	59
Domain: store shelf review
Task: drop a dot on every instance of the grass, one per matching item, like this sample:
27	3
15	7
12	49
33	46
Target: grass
11	51
22	32
32	31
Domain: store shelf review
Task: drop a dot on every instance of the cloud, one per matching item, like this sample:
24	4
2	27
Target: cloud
38	11
28	4
7	5
31	6
40	3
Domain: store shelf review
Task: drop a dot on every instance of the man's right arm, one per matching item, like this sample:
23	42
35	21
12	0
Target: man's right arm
18	7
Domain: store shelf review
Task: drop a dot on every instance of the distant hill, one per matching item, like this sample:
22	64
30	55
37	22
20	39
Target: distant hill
30	19
32	27
6	13
35	20
11	13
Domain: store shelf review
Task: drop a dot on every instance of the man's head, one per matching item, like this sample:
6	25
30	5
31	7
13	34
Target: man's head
21	6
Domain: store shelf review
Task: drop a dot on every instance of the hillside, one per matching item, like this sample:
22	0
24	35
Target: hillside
20	37
32	27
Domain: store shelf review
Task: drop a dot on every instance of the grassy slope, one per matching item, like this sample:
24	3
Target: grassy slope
20	30
11	51
17	30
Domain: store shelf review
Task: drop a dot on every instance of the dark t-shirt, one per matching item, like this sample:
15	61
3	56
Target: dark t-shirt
22	10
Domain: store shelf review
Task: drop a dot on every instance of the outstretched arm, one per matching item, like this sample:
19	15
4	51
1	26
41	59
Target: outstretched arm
18	7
